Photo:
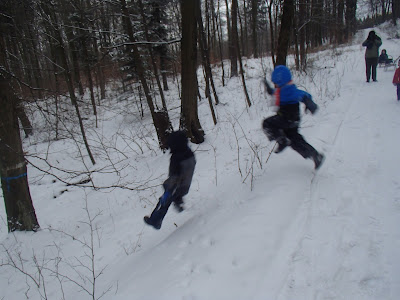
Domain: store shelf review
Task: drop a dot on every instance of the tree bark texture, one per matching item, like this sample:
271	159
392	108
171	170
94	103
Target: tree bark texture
189	113
14	180
285	31
254	24
234	40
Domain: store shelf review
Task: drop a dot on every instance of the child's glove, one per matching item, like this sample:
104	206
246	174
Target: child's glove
164	198
310	105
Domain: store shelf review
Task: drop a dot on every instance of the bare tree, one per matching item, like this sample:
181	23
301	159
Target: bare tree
206	63
272	30
189	112
350	17
232	23
395	11
54	29
160	119
236	39
14	179
219	33
254	24
285	31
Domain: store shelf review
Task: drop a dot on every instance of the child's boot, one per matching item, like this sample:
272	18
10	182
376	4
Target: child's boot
157	216
283	142
318	160
148	220
178	204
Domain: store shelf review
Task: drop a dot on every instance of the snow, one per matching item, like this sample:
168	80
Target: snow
256	225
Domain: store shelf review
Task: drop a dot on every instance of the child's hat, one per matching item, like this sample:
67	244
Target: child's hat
281	75
177	141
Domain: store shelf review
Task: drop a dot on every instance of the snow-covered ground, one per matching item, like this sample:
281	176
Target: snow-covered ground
256	226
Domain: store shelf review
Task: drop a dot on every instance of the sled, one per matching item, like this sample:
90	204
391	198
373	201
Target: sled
389	62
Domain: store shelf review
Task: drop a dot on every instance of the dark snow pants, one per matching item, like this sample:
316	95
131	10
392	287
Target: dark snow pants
278	127
371	64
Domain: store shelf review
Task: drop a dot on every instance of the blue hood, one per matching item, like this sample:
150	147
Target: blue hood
281	75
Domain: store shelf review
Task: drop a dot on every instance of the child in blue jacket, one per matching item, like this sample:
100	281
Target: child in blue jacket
283	127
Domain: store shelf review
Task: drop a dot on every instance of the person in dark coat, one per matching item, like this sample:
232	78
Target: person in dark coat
181	169
283	127
373	42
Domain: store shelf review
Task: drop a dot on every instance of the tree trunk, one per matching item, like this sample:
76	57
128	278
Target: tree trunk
231	39
86	59
243	40
254	24
271	27
158	16
14	181
213	47
189	114
74	58
219	32
284	33
317	17
235	38
26	124
296	40
395	11
339	22
55	31
351	19
158	122
206	76
302	35
205	52
153	61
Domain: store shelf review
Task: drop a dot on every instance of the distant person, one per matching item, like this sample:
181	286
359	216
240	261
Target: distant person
373	42
383	58
283	127
181	168
396	80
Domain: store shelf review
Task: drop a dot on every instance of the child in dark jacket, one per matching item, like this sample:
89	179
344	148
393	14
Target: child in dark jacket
181	168
383	58
283	127
396	80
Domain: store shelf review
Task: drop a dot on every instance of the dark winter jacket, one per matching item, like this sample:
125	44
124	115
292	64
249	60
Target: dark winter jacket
373	42
383	58
181	167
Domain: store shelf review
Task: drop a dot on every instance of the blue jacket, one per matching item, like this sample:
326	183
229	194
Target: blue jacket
288	97
290	94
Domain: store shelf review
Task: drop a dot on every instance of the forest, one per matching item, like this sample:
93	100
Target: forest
64	56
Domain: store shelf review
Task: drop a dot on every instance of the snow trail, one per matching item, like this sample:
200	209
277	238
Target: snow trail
348	231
